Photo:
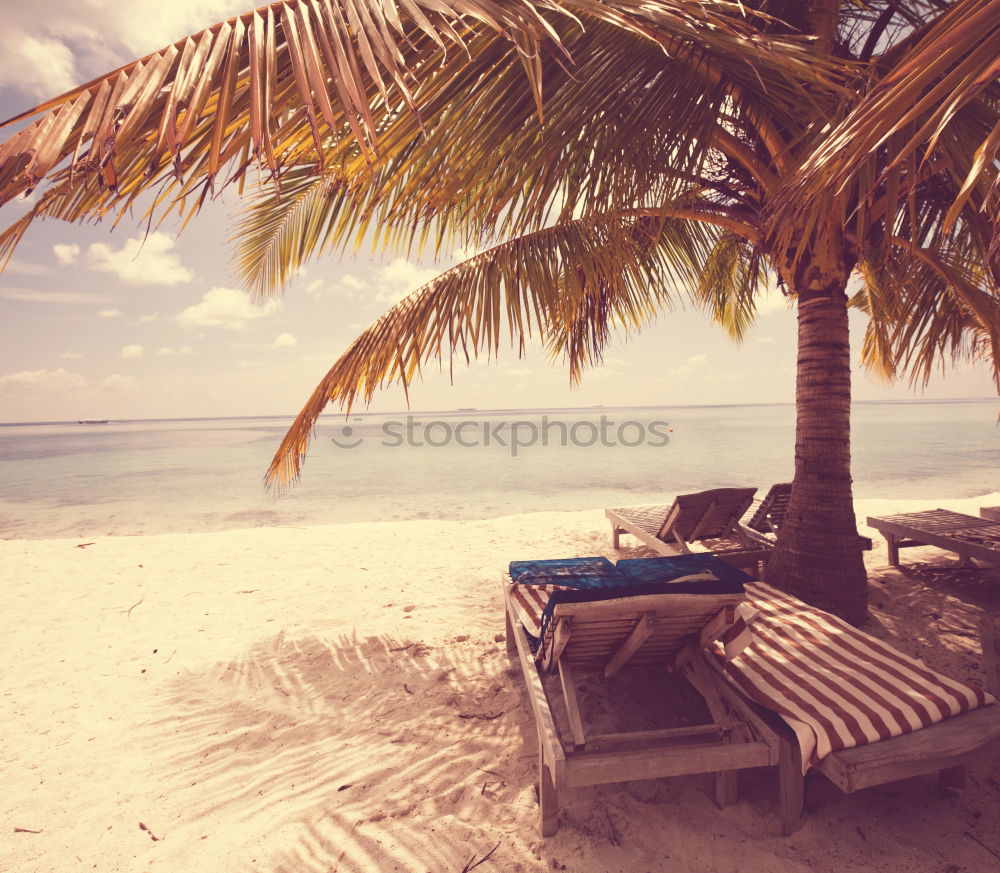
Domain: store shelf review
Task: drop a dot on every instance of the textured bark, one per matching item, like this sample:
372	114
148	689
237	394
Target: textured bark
818	556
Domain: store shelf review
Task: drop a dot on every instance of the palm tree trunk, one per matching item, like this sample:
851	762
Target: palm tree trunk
818	556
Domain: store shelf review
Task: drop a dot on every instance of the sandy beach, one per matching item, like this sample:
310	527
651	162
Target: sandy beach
339	698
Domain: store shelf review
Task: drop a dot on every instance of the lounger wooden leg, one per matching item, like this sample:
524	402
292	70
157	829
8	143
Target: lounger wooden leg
509	635
616	533
727	782
548	799
791	788
952	777
892	543
989	637
727	787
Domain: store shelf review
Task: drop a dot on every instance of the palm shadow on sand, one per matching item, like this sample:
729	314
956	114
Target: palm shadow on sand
348	754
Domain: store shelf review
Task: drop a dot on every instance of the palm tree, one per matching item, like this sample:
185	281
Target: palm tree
607	157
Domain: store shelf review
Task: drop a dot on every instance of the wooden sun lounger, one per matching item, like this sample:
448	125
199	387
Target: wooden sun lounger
768	517
966	535
605	635
947	747
709	519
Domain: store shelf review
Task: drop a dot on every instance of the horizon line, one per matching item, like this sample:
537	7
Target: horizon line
498	410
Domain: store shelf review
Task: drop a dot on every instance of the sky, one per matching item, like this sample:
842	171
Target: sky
111	323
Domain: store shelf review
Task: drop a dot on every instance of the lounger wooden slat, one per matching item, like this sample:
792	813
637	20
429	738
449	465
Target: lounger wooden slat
966	535
769	515
595	767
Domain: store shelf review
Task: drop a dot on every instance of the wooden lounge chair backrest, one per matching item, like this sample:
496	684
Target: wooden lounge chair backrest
644	629
770	515
706	515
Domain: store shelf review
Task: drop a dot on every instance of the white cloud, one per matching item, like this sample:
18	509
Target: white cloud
603	372
726	377
22	268
141	261
182	352
66	254
36	65
51	45
396	280
42	380
693	365
226	308
114	382
514	368
765	340
34	296
350	286
109	313
284	341
153	316
350	282
463	253
70	356
132	351
387	285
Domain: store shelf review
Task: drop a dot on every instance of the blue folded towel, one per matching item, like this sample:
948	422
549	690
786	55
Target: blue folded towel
643	571
572	572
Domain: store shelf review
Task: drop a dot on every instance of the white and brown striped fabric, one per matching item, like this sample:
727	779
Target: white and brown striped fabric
530	602
836	686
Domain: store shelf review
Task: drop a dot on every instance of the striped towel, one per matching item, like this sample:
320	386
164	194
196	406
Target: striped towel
530	602
836	686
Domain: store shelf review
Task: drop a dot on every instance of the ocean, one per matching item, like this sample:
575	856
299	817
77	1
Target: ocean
185	475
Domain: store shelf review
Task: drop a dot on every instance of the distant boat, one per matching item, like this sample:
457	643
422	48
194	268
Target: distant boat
467	409
91	421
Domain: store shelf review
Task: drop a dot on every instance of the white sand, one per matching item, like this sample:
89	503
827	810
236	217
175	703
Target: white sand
337	699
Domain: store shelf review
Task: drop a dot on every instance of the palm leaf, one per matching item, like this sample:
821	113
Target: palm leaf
288	85
927	307
936	109
569	285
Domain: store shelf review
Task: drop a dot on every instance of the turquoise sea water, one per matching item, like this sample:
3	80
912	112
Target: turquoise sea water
136	477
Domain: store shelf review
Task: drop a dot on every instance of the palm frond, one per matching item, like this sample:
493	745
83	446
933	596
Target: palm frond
477	168
729	283
927	307
315	83
935	109
568	285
